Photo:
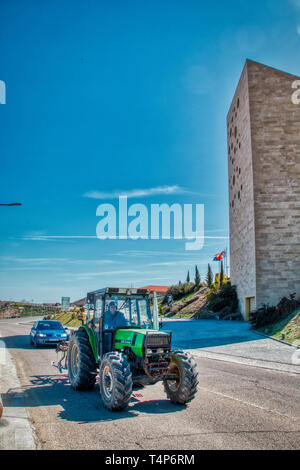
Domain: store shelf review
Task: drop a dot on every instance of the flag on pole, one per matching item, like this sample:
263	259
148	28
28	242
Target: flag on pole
219	256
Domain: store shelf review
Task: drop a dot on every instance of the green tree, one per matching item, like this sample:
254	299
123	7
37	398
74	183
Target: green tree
197	276
209	276
188	277
221	274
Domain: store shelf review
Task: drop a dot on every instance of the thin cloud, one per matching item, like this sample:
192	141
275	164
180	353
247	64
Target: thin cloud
92	275
295	3
160	190
116	237
46	261
56	237
15	259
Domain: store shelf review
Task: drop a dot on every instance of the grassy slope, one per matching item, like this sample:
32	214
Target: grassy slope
66	319
189	310
289	326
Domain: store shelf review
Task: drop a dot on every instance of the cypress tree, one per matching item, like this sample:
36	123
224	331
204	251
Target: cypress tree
221	274
197	276
188	277
209	276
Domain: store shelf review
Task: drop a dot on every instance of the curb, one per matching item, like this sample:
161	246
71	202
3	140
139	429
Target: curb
259	363
275	339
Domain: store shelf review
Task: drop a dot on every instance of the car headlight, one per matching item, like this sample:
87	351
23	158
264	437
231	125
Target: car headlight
41	334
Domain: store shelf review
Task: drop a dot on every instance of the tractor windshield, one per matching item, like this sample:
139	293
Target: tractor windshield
129	311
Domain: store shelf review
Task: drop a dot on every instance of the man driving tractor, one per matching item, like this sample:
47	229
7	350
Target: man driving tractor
114	318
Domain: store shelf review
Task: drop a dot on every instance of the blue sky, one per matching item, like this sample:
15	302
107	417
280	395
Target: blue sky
120	96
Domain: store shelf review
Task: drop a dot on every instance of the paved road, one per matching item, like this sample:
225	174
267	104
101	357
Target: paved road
236	407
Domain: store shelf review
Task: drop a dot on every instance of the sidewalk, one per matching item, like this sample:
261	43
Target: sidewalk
16	432
233	341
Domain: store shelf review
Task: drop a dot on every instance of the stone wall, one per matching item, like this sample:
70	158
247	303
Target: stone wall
241	200
264	185
275	130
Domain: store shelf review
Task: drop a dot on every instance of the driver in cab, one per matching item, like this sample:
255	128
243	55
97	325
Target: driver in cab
113	318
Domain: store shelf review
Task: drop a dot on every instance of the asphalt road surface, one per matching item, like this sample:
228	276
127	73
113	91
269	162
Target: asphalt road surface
236	407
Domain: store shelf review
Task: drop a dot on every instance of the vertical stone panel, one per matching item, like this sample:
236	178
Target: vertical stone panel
241	201
275	131
264	185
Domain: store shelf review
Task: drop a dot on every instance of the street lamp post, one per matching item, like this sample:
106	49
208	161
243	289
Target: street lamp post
12	204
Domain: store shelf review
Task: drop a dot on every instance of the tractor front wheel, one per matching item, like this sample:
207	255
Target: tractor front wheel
182	387
115	381
81	362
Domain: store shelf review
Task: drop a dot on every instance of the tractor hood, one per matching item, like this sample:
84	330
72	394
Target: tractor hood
135	339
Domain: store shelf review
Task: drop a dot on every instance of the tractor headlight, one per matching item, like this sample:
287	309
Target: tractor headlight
149	351
160	351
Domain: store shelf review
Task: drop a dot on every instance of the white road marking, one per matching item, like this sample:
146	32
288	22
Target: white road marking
248	403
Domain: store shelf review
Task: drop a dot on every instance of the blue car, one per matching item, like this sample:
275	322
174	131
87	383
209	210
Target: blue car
48	332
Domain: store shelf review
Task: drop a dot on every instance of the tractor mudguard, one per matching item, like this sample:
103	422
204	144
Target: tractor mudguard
92	339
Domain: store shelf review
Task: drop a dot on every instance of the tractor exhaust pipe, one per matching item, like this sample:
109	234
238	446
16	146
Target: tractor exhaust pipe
155	312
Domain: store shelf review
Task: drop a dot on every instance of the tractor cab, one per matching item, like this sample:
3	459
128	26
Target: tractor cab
112	309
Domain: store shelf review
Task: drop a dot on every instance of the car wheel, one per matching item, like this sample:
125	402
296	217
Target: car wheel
36	344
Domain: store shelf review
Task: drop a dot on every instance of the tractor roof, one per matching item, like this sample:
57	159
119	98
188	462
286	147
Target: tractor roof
120	290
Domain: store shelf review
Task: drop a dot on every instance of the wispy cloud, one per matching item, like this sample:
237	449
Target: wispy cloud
159	190
66	237
295	3
12	260
92	275
55	237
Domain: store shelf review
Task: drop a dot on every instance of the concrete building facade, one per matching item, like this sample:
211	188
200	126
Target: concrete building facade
263	126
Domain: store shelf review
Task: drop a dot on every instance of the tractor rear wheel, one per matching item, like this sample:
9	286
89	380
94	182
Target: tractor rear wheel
115	381
81	362
182	388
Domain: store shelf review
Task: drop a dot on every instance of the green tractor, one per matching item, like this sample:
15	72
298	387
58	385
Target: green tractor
122	345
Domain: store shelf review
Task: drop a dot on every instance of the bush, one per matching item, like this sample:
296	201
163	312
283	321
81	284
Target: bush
264	316
180	290
225	296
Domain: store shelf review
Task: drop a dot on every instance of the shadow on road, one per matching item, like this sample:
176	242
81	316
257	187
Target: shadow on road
23	342
81	407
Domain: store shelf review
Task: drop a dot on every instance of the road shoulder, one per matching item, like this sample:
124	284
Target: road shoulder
16	432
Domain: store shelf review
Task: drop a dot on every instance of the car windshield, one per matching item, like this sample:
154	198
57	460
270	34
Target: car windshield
49	325
135	310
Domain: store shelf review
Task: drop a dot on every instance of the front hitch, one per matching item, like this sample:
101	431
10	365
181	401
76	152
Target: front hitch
63	349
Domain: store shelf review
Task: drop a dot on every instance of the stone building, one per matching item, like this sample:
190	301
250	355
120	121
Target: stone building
263	126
